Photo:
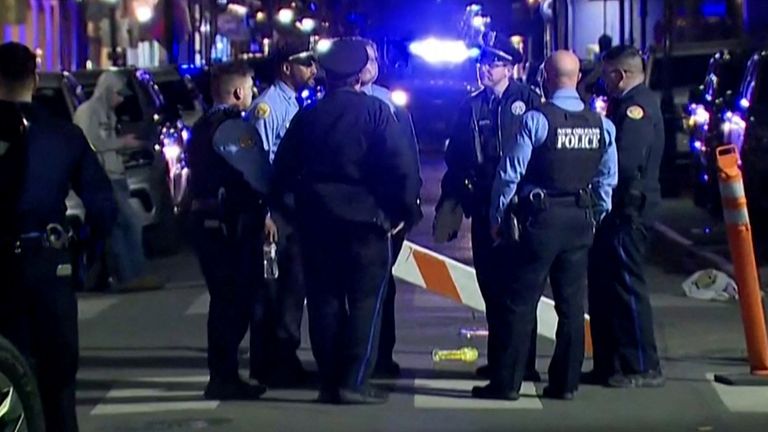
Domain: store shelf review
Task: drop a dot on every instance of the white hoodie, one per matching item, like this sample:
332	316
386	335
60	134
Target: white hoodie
96	117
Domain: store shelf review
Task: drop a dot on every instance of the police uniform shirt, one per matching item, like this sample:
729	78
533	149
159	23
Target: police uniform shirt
237	141
477	125
533	133
380	93
639	138
272	112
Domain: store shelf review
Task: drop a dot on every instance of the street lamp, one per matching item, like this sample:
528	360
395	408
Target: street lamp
143	13
285	16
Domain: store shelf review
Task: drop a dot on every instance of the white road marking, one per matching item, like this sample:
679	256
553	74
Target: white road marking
529	399
200	306
152	407
89	307
742	399
119	400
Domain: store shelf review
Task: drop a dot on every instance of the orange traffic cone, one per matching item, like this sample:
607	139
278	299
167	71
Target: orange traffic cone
745	268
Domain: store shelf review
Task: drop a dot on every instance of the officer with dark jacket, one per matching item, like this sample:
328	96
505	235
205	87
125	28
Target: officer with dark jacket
353	189
562	168
386	366
40	159
229	171
625	353
487	119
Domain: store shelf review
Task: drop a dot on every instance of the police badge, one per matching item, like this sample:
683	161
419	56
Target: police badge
262	110
518	108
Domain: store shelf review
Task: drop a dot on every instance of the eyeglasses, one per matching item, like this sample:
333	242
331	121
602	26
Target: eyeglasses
491	65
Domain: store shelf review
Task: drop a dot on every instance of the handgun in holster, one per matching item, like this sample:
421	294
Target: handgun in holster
509	230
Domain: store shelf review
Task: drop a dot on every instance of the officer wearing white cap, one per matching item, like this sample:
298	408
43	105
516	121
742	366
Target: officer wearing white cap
353	190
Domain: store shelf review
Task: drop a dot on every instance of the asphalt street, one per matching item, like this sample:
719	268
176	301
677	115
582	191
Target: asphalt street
143	366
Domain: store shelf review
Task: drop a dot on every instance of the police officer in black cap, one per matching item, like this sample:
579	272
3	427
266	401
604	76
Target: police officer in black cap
40	159
342	159
625	353
229	172
486	119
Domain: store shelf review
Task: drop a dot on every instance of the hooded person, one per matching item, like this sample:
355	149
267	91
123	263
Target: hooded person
97	118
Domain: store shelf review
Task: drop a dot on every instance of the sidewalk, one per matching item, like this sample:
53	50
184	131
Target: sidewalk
691	239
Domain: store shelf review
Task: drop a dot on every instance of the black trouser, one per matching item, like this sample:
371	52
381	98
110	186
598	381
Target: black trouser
388	337
231	266
555	243
38	314
619	306
284	309
347	270
491	270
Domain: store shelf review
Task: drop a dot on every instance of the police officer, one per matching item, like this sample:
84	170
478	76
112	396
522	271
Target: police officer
486	120
562	168
40	159
625	353
386	366
276	363
353	189
227	187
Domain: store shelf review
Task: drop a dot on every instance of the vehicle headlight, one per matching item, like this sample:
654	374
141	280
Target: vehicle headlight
400	98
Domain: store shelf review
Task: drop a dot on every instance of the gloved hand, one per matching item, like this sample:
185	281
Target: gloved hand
448	217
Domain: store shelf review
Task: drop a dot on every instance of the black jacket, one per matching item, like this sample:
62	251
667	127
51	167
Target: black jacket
640	145
55	158
475	145
343	159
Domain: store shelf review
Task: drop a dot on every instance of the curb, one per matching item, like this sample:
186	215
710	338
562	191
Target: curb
700	258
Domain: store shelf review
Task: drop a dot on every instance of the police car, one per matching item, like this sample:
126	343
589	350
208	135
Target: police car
745	125
706	106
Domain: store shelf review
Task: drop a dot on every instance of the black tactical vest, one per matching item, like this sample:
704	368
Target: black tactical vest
568	159
210	173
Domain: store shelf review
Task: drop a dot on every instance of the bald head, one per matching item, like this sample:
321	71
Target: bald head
562	71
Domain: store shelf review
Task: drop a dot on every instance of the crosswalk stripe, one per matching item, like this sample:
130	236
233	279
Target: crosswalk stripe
133	400
200	306
152	407
457	396
88	308
741	399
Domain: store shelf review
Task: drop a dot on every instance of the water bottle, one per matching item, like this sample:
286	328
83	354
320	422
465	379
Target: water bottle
270	260
466	354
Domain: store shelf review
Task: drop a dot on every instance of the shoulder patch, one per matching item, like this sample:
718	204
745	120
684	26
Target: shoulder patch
4	146
635	112
262	110
518	108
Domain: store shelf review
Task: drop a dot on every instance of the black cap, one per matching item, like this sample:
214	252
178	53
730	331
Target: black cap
502	50
344	58
17	62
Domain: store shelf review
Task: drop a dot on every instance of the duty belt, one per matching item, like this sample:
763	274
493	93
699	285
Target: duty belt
540	199
54	237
